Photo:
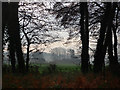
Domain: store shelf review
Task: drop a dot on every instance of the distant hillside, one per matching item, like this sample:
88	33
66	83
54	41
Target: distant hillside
57	56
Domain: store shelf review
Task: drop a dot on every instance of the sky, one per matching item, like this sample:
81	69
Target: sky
62	33
74	43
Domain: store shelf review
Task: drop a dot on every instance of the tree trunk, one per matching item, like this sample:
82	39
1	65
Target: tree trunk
101	46
27	59
110	48
114	28
12	55
11	46
114	65
28	46
14	33
4	22
115	46
84	36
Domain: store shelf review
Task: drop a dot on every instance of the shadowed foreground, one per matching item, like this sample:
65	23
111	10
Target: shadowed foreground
60	79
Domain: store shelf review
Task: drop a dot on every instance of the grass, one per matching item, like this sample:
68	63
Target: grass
59	68
64	76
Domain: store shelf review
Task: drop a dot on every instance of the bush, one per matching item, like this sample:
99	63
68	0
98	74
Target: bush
52	68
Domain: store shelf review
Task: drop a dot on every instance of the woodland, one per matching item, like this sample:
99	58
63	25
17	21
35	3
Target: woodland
27	23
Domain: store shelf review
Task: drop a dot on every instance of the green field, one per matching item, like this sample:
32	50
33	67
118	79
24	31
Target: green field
44	68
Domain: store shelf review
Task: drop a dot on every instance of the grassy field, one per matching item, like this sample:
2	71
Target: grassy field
58	76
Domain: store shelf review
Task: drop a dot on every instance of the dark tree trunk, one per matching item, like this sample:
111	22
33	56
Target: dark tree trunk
114	28
28	47
11	46
110	48
115	46
103	39
4	16
97	57
84	36
108	39
27	59
14	33
114	65
4	22
12	55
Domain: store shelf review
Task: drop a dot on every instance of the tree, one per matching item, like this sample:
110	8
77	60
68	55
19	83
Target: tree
34	27
6	21
114	29
113	58
4	26
14	36
84	36
70	15
104	41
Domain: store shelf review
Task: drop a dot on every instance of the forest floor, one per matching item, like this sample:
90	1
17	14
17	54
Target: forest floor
50	76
